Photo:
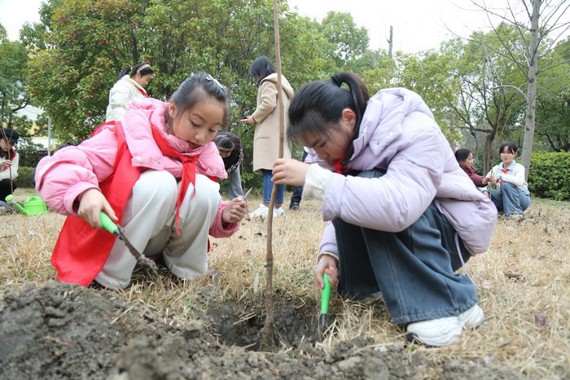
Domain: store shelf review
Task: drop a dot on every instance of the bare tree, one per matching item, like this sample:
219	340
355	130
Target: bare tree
541	23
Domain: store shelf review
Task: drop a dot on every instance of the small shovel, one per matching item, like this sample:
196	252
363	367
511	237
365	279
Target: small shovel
325	299
108	224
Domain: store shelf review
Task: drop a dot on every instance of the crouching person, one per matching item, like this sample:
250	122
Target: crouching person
403	217
149	172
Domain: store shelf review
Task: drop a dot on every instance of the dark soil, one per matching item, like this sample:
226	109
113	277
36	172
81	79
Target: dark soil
62	331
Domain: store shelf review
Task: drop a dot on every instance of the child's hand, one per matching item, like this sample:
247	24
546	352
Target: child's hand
327	264
234	211
91	203
5	162
289	172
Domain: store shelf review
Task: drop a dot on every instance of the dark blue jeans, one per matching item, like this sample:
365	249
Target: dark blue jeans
414	269
268	188
510	199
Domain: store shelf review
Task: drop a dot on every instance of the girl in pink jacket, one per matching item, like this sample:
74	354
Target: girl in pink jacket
402	215
150	173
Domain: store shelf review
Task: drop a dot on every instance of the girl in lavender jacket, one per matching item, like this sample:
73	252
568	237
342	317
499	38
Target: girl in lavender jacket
403	216
149	173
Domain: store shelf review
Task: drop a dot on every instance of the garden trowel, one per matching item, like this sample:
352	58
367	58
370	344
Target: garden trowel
108	224
325	300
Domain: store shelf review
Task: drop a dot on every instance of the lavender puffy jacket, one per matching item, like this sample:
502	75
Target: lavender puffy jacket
399	134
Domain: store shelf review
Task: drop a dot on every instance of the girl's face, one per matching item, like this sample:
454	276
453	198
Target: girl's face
143	80
507	157
5	145
333	145
198	124
468	163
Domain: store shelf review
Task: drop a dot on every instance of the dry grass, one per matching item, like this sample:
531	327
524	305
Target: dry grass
523	283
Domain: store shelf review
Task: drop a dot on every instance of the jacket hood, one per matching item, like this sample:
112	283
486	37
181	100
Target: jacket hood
379	137
284	83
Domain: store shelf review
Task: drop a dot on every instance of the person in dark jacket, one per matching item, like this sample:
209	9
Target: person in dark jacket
465	159
231	150
9	159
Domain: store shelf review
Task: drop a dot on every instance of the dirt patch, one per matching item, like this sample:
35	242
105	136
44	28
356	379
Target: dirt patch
62	331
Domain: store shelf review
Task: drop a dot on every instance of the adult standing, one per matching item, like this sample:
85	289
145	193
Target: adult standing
129	87
266	118
9	160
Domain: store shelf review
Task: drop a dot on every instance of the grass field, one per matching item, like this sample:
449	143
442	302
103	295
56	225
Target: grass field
523	283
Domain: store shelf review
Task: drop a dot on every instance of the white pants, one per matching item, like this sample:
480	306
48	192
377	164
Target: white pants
149	224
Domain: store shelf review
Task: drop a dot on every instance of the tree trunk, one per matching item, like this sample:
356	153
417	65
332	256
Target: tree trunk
531	91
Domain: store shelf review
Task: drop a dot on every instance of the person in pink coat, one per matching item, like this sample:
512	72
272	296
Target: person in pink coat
150	174
401	214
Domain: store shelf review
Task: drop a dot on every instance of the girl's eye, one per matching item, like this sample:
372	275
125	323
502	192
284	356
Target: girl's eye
323	144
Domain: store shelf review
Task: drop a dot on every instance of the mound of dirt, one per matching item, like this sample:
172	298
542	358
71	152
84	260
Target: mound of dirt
61	331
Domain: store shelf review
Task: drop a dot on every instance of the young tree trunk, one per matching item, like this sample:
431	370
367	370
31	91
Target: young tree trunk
267	332
531	90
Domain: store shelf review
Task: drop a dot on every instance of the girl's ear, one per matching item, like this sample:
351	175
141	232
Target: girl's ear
171	109
349	116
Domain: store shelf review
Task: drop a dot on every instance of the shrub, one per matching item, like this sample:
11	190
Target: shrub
549	175
25	176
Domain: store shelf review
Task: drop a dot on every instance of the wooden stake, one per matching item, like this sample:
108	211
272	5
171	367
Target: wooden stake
267	331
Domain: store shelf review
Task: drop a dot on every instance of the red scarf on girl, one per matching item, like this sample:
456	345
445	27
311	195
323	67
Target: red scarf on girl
188	169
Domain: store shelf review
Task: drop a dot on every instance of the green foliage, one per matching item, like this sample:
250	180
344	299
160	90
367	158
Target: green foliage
548	176
26	176
13	69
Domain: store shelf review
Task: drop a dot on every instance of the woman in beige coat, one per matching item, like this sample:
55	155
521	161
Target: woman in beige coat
266	137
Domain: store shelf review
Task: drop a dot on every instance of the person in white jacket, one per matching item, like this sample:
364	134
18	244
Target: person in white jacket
509	190
130	86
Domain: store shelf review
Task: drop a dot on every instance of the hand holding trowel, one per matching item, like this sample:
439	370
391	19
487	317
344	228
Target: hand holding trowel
108	224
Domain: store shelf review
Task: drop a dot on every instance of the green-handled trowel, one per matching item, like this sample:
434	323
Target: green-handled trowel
108	224
325	300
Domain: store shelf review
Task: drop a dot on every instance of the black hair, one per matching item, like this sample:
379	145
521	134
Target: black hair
260	68
318	105
140	68
512	147
224	142
194	89
462	154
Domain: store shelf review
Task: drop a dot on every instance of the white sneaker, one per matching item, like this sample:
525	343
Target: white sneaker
472	318
278	212
435	332
260	212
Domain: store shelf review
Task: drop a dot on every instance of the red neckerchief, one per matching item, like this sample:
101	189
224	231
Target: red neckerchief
505	171
338	166
188	169
143	92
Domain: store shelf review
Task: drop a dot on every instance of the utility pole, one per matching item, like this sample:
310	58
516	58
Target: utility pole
390	42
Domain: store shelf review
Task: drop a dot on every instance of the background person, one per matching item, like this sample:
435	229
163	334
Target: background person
509	190
149	173
129	87
266	136
395	224
231	150
9	162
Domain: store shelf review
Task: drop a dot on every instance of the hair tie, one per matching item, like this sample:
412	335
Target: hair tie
146	65
336	80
